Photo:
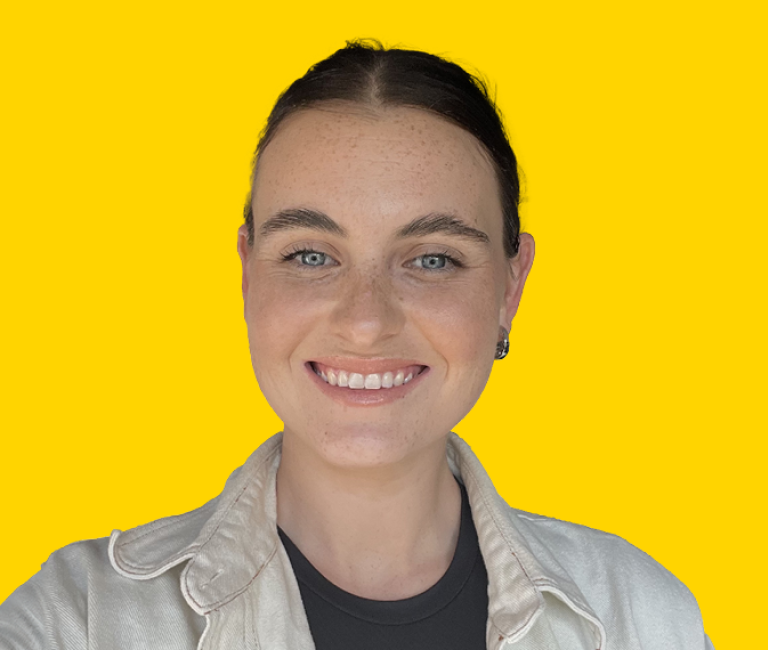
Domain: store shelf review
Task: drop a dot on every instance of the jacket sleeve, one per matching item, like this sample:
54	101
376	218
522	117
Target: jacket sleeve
49	612
639	602
655	602
638	599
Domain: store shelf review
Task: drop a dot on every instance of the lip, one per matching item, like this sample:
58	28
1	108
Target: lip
366	366
364	397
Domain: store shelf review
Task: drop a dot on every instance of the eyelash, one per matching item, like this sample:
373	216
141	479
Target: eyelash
452	261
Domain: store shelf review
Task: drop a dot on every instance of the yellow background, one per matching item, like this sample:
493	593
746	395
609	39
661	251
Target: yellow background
634	396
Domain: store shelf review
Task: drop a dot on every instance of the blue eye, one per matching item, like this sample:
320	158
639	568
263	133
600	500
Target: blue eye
433	261
437	262
312	258
307	257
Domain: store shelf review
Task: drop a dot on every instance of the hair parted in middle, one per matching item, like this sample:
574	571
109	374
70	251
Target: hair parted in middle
364	72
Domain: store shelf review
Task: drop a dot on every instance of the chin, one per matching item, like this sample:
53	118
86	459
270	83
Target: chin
366	447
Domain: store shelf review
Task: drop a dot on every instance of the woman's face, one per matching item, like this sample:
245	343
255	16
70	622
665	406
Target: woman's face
377	264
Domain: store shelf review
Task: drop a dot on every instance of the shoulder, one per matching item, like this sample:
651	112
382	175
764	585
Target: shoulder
604	554
54	601
78	597
628	590
70	568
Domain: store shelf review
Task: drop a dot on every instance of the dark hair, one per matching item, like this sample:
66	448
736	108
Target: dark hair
364	72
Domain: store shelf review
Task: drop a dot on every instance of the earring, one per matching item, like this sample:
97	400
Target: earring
502	347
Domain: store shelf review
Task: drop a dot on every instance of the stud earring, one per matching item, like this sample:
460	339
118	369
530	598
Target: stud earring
502	347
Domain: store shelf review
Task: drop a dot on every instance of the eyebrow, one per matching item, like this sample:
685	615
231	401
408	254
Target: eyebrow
445	224
433	223
296	218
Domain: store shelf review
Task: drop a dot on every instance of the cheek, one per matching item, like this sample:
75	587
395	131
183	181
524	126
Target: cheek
279	315
461	321
460	325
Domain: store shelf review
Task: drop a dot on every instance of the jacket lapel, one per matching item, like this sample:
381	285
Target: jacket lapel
239	577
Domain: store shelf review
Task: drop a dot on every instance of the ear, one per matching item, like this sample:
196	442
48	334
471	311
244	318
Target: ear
244	250
517	273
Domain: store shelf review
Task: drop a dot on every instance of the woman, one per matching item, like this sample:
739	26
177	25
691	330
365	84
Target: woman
382	268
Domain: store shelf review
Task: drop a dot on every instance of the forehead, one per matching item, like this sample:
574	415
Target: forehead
393	163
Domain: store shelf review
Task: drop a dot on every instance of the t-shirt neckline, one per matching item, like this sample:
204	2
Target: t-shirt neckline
396	612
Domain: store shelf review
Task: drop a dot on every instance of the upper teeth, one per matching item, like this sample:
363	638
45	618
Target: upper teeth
373	381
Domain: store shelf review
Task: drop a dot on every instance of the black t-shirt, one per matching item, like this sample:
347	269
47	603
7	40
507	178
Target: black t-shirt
450	615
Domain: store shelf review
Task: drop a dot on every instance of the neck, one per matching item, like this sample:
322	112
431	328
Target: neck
384	533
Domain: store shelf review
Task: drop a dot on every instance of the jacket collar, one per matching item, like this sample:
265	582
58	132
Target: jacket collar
229	541
519	563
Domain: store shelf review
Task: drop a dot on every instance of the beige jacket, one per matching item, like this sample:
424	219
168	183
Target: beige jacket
218	577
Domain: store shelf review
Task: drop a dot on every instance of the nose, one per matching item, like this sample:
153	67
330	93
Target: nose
368	311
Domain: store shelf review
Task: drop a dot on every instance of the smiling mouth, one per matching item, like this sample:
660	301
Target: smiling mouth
371	381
